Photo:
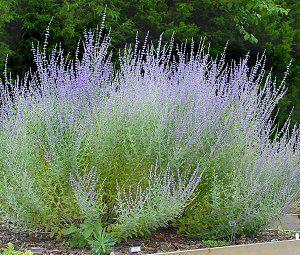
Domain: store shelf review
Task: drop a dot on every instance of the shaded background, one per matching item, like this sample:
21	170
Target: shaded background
248	25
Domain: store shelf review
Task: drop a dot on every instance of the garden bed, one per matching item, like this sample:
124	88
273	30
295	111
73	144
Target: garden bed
162	241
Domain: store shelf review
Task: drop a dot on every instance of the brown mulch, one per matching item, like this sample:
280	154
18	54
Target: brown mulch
162	241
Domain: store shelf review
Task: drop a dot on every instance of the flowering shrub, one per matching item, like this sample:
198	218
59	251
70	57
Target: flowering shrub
84	124
246	195
163	200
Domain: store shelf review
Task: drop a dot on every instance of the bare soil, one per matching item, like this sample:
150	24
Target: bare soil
162	241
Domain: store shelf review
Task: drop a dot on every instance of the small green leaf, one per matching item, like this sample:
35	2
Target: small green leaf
87	232
249	6
71	230
78	241
247	37
229	5
252	38
52	234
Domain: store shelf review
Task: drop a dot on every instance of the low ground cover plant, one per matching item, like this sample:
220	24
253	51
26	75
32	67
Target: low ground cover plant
167	136
10	250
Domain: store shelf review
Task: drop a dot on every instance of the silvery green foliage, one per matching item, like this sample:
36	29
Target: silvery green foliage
88	201
249	187
45	120
254	191
181	107
144	210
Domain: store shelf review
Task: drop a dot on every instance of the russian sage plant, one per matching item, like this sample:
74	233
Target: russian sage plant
88	201
183	109
141	212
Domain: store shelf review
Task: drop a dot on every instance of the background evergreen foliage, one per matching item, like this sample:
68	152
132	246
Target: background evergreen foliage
248	25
